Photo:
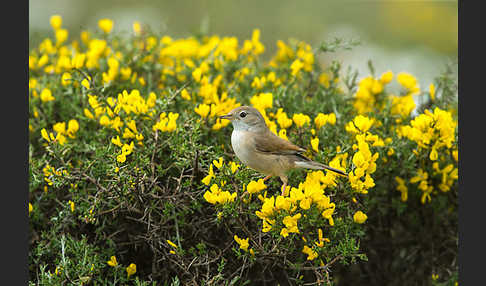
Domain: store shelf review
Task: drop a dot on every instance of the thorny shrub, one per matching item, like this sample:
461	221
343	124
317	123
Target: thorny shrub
132	176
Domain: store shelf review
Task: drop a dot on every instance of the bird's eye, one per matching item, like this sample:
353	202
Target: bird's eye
243	114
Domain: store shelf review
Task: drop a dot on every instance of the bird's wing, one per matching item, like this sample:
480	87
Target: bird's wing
270	143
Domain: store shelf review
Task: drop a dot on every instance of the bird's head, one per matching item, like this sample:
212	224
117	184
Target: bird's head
246	118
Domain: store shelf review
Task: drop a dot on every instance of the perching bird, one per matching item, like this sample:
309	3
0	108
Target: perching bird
260	149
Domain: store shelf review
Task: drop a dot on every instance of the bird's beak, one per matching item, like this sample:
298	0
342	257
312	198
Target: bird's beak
227	116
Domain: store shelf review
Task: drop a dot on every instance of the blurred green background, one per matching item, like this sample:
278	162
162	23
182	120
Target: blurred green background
419	37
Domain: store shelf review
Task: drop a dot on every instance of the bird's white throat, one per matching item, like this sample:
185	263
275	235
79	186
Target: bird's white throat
239	142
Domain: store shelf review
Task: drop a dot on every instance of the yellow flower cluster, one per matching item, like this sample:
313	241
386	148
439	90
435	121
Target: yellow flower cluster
402	188
213	104
262	101
243	242
217	196
311	254
50	172
105	25
409	82
253	47
304	61
402	105
262	81
46	95
368	88
363	160
309	194
282	119
322	119
448	175
284	54
431	131
110	115
255	187
301	119
166	123
61	132
126	149
424	185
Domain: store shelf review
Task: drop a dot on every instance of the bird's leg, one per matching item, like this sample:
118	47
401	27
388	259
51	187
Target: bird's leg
284	186
267	177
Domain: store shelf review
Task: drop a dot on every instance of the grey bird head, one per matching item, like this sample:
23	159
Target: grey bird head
246	118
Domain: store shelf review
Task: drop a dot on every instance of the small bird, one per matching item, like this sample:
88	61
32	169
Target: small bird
260	149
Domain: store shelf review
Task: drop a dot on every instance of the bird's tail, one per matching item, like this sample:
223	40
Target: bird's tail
318	166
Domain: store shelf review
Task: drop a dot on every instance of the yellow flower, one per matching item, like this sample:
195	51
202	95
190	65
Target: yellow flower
137	28
282	119
46	95
45	135
255	187
360	124
66	79
324	80
73	127
61	36
116	140
234	167
402	105
31	208
290	223
321	120
282	203
359	217
262	101
121	158
321	238
208	178
402	188
386	77
315	144
85	82
432	91
218	164
105	25
268	208
455	155
112	262
331	118
311	254
283	134
301	119
71	205
128	149
202	110
196	74
433	156
296	66
56	22
242	242
88	113
171	243
185	95
409	82
131	269
217	196
59	127
78	60
104	120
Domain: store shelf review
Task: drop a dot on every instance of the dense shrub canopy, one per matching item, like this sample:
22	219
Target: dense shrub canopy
133	179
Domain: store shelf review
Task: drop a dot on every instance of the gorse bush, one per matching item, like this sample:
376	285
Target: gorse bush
133	180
